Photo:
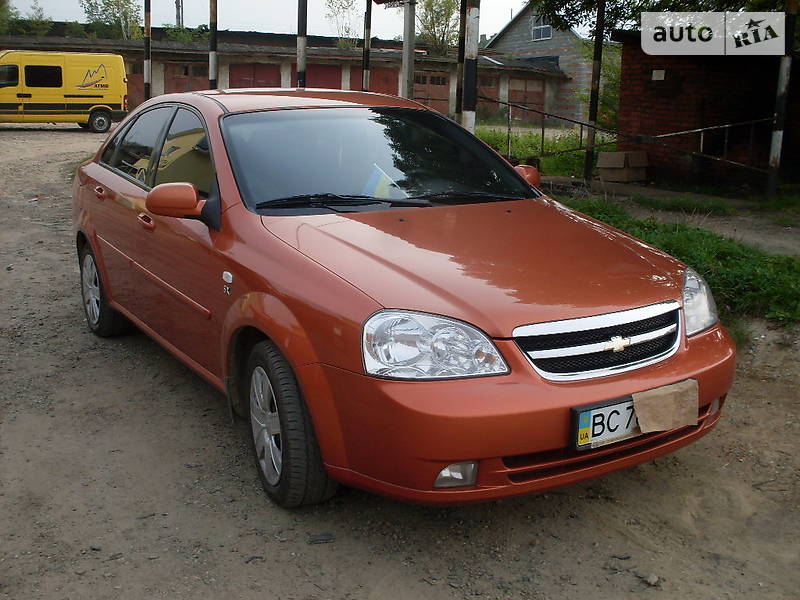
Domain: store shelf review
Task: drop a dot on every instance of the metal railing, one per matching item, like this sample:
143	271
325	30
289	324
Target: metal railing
656	140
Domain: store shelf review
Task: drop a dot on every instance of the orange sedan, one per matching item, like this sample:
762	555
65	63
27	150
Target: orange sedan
389	303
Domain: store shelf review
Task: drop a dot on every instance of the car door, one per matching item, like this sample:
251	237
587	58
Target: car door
186	296
114	191
43	95
10	94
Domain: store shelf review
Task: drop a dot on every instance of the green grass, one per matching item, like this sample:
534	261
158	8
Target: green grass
686	204
746	282
528	145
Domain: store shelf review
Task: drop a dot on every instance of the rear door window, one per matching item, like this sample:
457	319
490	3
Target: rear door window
185	156
43	76
9	76
136	148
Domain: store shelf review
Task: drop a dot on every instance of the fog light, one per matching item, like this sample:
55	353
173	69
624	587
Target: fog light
457	475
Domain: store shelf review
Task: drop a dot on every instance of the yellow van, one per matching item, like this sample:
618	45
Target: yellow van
62	87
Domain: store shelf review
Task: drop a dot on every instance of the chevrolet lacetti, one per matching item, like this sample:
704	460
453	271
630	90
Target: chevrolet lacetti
387	301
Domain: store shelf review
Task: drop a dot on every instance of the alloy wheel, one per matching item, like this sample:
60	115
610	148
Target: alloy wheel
90	286
266	425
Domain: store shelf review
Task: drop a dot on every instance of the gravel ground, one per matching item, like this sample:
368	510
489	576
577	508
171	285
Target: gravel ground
122	477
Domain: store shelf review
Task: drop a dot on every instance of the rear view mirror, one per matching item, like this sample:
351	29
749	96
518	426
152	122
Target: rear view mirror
175	200
530	174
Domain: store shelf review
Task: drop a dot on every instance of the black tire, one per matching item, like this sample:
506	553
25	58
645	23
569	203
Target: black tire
83	125
99	121
301	478
102	320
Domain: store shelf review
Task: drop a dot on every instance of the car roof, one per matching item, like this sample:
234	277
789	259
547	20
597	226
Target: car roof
247	99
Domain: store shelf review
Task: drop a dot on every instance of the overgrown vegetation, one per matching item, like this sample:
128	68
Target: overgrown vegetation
35	23
686	204
527	146
186	34
747	282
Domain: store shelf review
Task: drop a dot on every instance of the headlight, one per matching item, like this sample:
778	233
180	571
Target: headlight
699	308
404	344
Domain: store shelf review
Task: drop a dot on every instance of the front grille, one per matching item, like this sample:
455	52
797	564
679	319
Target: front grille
584	348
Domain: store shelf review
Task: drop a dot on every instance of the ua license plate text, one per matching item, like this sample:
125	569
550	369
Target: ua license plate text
601	425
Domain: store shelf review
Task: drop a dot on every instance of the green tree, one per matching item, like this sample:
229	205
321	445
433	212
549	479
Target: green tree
123	16
610	75
73	29
437	22
37	22
175	33
7	14
341	13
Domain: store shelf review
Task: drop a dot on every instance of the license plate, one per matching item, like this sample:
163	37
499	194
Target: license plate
606	423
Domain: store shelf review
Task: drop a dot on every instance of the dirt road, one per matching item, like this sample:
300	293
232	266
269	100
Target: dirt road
122	477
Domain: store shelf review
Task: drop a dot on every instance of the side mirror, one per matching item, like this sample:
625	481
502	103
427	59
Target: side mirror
530	174
175	200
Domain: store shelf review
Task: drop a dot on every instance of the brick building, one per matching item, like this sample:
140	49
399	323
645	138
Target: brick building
667	94
530	36
253	59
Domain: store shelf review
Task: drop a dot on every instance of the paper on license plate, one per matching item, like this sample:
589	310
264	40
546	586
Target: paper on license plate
601	425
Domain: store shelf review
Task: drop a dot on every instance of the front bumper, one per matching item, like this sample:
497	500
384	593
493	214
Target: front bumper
394	437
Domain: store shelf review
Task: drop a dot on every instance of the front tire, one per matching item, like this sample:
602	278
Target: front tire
284	443
100	121
103	320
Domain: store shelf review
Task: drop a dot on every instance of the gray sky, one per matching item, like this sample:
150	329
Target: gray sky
279	16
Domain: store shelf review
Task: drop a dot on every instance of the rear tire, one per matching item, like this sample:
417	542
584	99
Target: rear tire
103	320
284	443
99	121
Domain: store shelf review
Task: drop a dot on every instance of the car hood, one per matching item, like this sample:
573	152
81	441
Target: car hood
496	265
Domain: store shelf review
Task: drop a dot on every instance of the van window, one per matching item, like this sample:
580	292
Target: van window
42	76
9	76
185	156
136	147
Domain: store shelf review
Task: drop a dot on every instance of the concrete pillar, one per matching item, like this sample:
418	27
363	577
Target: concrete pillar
302	41
286	74
158	78
224	75
346	76
409	42
471	41
213	84
452	104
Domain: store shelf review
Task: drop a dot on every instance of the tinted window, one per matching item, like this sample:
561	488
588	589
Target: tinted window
9	75
41	76
385	153
108	153
136	147
185	155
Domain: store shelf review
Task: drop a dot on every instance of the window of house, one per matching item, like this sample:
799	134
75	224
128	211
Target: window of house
438	80
185	156
488	82
9	76
199	71
133	156
42	76
540	28
420	79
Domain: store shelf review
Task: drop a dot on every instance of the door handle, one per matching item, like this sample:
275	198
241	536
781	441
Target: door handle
99	192
23	96
146	221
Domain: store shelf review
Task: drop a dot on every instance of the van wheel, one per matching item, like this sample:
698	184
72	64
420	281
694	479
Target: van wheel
103	320
100	121
287	455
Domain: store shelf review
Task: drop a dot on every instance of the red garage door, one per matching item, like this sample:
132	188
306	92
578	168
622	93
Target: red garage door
185	77
527	92
252	75
432	88
321	76
381	80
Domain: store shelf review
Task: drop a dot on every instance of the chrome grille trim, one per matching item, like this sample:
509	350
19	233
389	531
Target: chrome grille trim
598	322
590	348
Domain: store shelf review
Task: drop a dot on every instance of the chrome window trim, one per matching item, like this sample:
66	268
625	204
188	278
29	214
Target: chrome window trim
595	321
601	346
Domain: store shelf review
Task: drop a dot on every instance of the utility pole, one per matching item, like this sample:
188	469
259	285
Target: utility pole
302	31
178	13
779	121
147	53
212	45
409	35
367	46
462	34
594	97
471	45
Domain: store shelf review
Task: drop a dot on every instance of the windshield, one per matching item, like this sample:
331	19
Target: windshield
384	153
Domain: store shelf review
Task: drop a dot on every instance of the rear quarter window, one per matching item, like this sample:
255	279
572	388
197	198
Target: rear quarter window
135	150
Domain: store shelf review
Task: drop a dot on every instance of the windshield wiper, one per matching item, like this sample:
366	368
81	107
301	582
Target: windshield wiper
454	195
325	200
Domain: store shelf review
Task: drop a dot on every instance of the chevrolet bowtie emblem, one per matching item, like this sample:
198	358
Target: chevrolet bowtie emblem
618	343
